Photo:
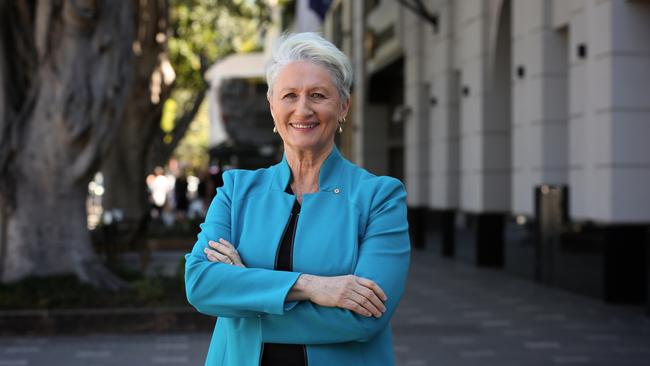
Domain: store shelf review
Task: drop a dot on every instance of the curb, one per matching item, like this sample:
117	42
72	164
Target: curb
115	320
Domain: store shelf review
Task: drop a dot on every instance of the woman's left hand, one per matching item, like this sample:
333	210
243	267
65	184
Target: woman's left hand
223	252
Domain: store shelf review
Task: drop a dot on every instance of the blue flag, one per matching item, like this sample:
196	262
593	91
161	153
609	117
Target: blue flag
320	7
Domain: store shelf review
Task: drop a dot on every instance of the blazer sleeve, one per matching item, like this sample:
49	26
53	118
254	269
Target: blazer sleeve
219	289
383	257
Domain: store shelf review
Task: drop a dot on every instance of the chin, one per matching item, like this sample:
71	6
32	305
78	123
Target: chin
307	144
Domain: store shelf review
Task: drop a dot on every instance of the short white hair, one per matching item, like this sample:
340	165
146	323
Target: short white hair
310	47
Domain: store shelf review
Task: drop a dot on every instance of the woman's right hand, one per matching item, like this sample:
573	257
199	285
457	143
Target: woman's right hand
223	252
354	293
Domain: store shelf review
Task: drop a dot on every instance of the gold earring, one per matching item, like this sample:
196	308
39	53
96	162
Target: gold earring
275	129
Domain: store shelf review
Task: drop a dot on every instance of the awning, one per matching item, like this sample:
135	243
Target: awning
240	65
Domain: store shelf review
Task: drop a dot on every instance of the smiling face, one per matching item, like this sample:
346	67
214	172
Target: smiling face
306	107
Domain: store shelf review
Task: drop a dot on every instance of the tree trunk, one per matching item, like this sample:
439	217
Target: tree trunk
125	168
3	232
62	130
140	147
47	235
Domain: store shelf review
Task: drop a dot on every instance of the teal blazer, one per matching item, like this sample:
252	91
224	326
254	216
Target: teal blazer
355	224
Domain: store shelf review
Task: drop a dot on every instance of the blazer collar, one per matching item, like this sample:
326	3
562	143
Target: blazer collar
328	177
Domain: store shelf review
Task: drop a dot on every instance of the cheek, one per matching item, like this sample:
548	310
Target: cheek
335	119
277	114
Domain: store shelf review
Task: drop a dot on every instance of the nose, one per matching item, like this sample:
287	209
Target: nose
303	107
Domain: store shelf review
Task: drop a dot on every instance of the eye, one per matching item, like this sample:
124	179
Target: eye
289	96
317	95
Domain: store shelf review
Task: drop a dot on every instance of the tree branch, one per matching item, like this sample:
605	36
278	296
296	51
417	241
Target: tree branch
183	122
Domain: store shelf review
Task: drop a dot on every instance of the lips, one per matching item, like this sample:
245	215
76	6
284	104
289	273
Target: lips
304	125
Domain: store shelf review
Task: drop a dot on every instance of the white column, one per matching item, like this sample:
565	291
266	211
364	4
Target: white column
539	107
619	34
360	82
484	160
416	125
445	89
580	89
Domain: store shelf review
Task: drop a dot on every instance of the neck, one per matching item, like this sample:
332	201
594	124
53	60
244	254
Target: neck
305	168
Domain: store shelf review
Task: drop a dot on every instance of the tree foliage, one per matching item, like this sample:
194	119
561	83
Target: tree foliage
201	33
208	30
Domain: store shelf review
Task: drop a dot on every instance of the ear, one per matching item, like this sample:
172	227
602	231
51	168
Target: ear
345	107
268	99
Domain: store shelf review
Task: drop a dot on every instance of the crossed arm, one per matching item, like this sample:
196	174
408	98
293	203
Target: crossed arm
293	305
354	293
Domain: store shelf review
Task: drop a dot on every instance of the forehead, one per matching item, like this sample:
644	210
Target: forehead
303	74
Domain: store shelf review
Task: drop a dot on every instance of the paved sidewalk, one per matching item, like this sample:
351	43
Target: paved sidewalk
455	314
105	350
452	315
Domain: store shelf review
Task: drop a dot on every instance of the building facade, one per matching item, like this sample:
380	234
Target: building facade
520	129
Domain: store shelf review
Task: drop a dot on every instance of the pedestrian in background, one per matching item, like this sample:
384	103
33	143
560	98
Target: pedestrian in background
159	187
180	196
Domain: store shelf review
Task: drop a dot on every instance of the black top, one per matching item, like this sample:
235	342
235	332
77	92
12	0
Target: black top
275	354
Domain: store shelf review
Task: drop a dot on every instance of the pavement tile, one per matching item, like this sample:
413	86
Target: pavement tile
452	314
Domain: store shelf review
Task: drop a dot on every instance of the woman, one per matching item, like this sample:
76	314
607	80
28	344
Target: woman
302	263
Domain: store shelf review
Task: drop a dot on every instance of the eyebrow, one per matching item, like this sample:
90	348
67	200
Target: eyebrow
316	88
